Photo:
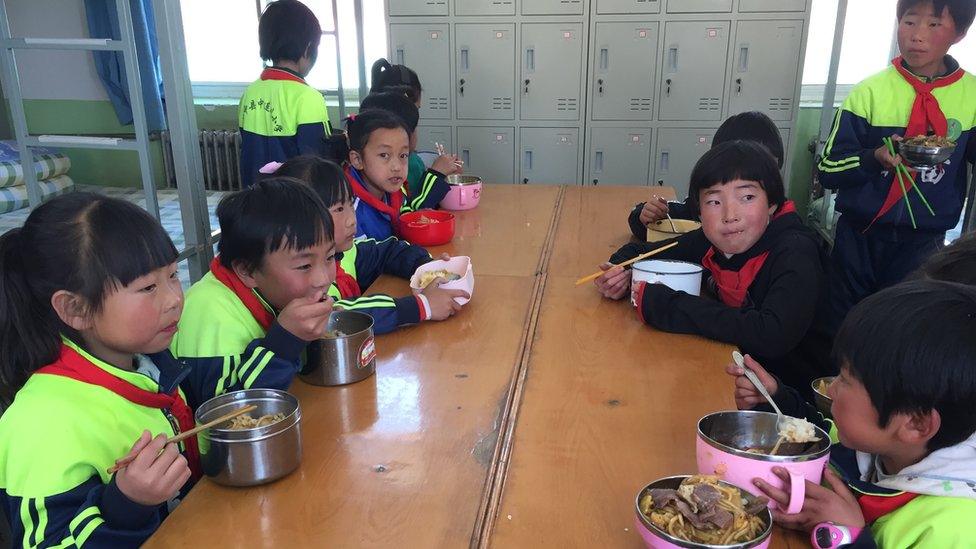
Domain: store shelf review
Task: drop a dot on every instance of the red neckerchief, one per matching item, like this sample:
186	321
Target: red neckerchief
925	113
230	279
875	507
734	285
73	365
359	189
348	287
273	73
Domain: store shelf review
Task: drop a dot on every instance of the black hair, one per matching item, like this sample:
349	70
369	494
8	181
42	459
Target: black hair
954	263
274	213
913	347
752	126
325	178
406	91
961	11
85	243
746	160
385	75
288	30
396	103
358	129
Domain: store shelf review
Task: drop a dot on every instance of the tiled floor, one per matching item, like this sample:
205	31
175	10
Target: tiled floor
169	213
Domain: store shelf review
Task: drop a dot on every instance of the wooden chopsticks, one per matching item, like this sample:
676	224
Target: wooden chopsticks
628	262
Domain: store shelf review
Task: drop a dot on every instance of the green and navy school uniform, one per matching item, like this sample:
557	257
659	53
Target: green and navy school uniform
280	116
375	217
69	423
229	330
362	264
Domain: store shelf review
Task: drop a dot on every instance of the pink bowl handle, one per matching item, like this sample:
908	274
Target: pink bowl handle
798	492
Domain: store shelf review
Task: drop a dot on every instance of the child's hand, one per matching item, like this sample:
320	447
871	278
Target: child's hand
882	155
835	504
447	164
444	257
156	473
442	304
307	317
654	209
614	283
746	394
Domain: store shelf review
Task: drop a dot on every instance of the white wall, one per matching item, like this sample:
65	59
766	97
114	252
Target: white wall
51	74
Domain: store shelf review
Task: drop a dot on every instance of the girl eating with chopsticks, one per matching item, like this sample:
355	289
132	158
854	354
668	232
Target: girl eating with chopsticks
763	265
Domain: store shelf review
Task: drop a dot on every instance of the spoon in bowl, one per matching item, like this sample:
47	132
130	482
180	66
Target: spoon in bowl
740	361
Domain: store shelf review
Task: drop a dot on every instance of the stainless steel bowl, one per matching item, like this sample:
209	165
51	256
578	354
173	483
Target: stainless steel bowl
924	158
673	483
822	401
345	359
248	457
462	180
735	431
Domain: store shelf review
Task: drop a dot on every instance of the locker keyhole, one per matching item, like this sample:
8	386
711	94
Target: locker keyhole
525	181
526	86
738	85
595	181
600	83
668	90
461	89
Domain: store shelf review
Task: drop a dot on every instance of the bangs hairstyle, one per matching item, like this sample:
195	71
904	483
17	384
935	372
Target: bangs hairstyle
288	30
358	129
274	213
954	263
325	178
913	347
384	75
396	103
961	11
732	160
752	126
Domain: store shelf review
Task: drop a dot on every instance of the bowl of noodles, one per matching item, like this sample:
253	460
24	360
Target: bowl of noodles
455	273
665	229
255	448
925	152
426	227
820	397
701	511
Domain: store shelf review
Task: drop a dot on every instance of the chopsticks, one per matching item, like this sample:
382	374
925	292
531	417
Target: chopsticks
902	172
187	434
628	262
441	152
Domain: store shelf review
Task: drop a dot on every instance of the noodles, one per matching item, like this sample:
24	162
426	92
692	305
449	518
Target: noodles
795	429
928	141
334	334
702	510
245	421
430	276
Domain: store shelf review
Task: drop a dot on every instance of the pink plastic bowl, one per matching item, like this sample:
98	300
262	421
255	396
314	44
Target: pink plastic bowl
460	264
464	194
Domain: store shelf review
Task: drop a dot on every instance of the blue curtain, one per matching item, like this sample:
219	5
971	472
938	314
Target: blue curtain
103	22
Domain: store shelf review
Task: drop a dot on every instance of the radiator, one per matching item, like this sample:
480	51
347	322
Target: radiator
220	151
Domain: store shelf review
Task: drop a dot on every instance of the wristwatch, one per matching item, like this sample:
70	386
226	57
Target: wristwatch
828	535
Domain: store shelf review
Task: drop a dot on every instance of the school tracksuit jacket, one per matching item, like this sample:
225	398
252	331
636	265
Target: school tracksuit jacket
375	217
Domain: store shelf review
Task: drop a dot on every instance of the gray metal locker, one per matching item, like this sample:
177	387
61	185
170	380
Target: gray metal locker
678	149
693	72
484	7
765	57
623	66
485	59
429	136
549	155
488	153
552	7
426	48
418	7
619	156
604	7
700	6
552	64
772	5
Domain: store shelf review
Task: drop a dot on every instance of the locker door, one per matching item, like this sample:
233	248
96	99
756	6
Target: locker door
772	5
485	60
678	149
604	7
549	155
484	7
429	136
693	75
765	58
427	50
619	156
552	7
418	7
624	62
700	6
552	58
488	153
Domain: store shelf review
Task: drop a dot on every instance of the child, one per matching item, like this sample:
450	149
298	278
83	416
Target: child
876	244
765	266
903	464
265	297
90	303
280	115
375	149
386	76
419	177
749	126
954	263
363	261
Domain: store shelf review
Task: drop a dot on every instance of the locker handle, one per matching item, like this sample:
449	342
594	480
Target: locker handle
665	160
528	160
604	59
673	58
600	84
400	55
526	86
667	92
465	61
461	88
743	58
660	182
595	181
530	59
738	86
466	157
598	167
525	181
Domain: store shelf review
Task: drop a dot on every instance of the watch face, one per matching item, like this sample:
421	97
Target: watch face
823	537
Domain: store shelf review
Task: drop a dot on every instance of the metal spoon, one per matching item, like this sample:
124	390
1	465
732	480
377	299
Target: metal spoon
740	361
671	221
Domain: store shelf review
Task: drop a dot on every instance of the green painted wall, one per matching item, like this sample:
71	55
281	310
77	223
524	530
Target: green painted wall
801	167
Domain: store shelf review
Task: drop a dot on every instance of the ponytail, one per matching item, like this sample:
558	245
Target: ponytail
385	75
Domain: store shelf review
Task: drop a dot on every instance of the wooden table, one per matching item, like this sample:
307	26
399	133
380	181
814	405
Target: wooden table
540	402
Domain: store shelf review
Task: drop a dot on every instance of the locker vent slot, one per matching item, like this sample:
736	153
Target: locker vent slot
638	104
436	2
567	104
501	2
780	104
709	104
437	103
501	103
568	2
